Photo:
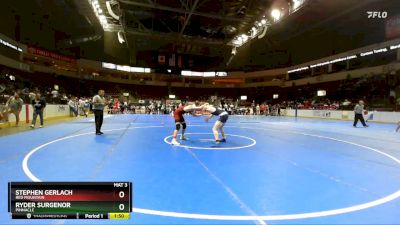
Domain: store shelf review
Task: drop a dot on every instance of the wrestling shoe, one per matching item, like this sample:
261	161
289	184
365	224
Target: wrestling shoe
174	142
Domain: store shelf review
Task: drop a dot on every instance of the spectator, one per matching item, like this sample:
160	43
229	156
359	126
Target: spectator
262	109
346	103
279	109
117	106
72	106
86	107
14	106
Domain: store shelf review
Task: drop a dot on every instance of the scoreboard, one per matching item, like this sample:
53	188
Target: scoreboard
70	200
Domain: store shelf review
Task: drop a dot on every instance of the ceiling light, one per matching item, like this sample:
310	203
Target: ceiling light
237	42
296	4
276	14
263	21
244	37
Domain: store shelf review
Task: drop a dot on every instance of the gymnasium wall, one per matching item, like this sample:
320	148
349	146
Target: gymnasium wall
57	111
382	117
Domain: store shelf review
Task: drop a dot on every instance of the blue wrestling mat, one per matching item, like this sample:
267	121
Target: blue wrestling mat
270	171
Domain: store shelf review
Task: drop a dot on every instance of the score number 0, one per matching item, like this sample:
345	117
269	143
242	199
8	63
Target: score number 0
121	206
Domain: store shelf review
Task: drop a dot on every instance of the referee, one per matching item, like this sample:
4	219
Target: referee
98	108
358	114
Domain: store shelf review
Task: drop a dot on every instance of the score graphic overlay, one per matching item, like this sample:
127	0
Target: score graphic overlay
70	200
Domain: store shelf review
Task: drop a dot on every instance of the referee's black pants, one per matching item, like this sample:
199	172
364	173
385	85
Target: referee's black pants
358	117
98	118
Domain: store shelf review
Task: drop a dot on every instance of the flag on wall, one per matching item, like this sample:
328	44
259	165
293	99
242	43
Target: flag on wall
172	60
161	59
180	63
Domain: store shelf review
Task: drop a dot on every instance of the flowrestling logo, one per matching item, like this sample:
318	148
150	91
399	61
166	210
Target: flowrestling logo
377	14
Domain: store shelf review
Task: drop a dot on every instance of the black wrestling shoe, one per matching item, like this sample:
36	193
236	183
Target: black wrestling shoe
223	140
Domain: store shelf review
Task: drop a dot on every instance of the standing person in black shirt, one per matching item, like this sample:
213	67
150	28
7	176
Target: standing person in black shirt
38	105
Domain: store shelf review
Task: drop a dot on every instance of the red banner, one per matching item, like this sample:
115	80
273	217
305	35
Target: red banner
52	55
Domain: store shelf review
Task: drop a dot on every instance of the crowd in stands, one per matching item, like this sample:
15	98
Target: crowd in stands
82	106
79	100
115	106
